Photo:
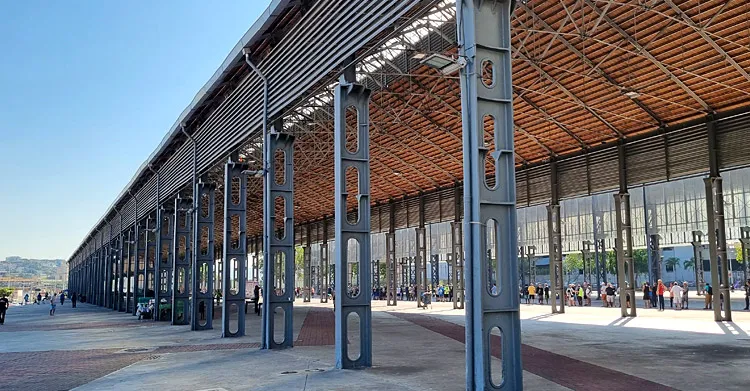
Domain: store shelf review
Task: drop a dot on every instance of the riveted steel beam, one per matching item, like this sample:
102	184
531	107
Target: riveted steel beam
202	283
235	249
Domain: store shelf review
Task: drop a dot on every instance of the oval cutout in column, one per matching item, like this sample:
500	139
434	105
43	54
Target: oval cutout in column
234	322
279	283
279	325
495	344
353	347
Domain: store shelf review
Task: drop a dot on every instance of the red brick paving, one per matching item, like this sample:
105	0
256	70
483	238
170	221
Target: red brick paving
563	370
40	326
318	328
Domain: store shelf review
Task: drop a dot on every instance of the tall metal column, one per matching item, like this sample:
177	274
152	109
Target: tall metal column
717	230
164	257
586	252
279	186
108	270
654	256
201	300
484	42
391	282
457	265
352	233
182	250
624	242
306	270
745	242
235	244
557	285
435	270
140	260
150	279
718	247
127	262
324	265
698	259
119	267
421	258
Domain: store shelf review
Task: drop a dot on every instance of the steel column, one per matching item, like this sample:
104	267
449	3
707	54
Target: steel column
140	260
745	243
421	258
484	43
202	283
235	247
150	278
718	248
698	259
625	270
182	250
554	230
352	233
654	256
128	269
164	258
324	265
279	266
457	265
307	267
586	252
390	269
435	271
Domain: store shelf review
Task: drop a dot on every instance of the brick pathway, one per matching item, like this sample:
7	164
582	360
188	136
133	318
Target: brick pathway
563	370
40	326
318	328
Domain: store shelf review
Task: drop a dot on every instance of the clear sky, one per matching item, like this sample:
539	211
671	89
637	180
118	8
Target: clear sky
87	90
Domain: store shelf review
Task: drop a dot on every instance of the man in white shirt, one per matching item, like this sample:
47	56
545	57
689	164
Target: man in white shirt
677	293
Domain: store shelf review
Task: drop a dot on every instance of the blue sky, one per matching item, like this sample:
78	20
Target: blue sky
87	90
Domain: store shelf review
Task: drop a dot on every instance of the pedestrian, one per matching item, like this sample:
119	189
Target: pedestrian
709	297
62	298
579	294
671	296
654	295
747	295
587	294
570	295
39	298
532	293
603	294
52	305
4	304
610	295
73	298
26	299
676	293
540	293
685	295
646	295
546	292
660	289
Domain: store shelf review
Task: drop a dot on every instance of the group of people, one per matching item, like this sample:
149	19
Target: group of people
535	293
653	295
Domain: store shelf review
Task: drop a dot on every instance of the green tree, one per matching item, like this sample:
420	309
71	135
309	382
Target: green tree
299	265
640	262
7	292
738	251
611	262
572	265
689	265
672	263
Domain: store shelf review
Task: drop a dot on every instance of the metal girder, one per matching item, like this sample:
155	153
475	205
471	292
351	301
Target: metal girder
150	257
553	120
588	62
235	249
484	42
390	266
140	259
700	30
649	56
324	265
745	244
182	249
625	269
278	279
617	133
535	140
202	283
348	233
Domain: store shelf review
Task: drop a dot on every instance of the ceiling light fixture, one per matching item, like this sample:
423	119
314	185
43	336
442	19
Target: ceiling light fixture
444	64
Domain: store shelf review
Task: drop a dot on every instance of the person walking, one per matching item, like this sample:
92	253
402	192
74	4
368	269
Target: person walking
26	299
610	295
646	295
676	294
4	304
579	294
660	289
532	294
546	292
39	298
52	305
709	297
671	297
540	292
747	295
62	298
73	299
654	296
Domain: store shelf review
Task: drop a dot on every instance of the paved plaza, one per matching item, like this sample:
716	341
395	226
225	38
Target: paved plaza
587	348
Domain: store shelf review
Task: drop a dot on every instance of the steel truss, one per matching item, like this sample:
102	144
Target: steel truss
164	257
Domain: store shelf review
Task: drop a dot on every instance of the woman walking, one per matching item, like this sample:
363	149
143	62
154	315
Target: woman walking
646	295
685	295
660	289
